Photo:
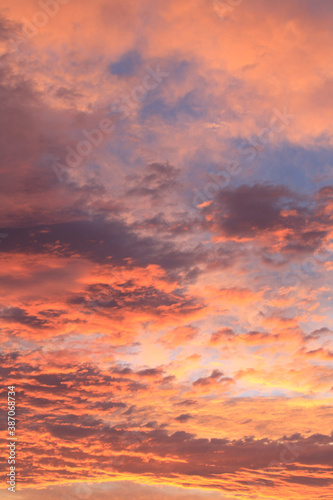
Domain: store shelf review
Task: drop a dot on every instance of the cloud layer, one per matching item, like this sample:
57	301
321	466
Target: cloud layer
166	239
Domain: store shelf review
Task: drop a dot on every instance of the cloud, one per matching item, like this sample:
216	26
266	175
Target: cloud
18	315
152	341
221	336
154	182
123	443
179	336
127	65
249	210
184	417
215	381
99	240
272	215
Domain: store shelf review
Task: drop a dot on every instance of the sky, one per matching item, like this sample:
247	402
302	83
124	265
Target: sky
166	226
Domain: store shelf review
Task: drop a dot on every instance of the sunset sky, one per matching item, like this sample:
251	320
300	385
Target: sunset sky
166	227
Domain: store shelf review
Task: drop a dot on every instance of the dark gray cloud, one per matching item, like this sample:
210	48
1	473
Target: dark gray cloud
18	315
99	240
156	179
216	376
249	211
183	418
150	372
104	298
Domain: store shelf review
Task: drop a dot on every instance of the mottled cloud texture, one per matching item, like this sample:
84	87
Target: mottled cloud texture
166	240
